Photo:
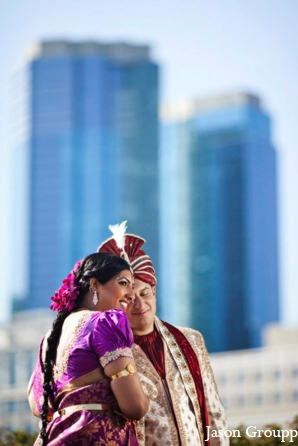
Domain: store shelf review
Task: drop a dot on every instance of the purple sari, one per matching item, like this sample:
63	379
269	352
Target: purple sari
93	340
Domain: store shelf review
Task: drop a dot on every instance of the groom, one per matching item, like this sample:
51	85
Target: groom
173	365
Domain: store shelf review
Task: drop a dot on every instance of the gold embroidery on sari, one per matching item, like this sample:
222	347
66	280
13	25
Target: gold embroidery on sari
115	354
93	377
44	346
59	369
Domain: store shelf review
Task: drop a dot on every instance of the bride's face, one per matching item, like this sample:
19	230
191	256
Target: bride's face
117	292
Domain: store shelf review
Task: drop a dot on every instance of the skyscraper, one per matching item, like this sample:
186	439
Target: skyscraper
92	151
229	236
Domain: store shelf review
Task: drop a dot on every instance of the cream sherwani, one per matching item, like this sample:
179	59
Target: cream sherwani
174	417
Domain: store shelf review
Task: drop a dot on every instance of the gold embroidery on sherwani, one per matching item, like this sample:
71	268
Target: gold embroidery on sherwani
204	356
182	406
115	354
157	418
158	427
59	369
217	418
185	375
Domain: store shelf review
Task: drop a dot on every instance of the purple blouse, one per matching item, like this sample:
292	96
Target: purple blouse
97	336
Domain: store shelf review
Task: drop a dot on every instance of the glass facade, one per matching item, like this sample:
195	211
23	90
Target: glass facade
231	220
217	224
93	155
175	237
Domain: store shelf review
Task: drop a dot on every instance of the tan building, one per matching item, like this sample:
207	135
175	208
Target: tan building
260	386
19	343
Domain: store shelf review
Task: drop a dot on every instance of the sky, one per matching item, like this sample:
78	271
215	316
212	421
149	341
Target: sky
204	48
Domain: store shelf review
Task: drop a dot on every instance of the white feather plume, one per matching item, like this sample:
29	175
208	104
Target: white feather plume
118	232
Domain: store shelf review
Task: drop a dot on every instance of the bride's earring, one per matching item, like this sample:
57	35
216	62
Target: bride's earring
95	298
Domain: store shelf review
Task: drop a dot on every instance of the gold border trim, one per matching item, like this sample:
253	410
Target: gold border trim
115	354
60	368
186	376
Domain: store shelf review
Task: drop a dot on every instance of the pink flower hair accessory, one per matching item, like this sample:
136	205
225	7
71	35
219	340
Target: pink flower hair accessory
65	297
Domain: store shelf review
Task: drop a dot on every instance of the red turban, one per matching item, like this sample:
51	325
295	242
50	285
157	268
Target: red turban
139	261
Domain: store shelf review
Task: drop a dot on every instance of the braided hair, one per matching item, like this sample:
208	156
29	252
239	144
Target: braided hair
101	266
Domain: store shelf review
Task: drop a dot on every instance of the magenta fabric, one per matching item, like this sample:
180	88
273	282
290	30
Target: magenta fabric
101	333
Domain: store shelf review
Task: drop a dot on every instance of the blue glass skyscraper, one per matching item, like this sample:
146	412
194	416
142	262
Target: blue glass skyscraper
93	154
231	252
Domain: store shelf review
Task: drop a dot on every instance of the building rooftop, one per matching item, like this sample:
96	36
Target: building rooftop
277	335
184	110
116	50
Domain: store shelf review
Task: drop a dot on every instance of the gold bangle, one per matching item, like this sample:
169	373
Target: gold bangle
129	370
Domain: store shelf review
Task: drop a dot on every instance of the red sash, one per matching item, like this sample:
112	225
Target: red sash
194	368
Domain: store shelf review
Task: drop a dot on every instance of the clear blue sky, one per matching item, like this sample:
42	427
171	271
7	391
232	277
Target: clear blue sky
205	48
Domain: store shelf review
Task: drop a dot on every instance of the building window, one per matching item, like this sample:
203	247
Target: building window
12	407
241	401
277	397
224	402
4	370
258	376
276	374
21	375
12	370
23	407
4	408
223	379
31	361
259	399
241	377
295	372
295	395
